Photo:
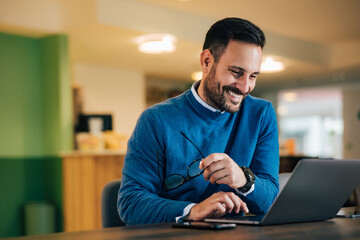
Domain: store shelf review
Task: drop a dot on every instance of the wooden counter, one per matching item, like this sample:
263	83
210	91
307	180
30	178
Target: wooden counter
84	176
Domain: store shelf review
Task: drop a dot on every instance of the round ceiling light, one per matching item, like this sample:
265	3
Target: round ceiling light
156	43
290	96
270	65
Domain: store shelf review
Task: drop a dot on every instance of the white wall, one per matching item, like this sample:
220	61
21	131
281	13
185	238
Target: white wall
111	90
351	117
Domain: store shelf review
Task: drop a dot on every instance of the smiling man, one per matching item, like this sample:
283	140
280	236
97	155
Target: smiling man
212	150
228	81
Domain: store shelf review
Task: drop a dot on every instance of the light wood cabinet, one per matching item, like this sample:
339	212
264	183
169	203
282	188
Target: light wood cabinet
84	176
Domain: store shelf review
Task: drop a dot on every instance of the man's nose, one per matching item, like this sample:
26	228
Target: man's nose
243	84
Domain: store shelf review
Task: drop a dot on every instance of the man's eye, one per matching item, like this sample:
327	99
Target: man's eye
253	76
236	73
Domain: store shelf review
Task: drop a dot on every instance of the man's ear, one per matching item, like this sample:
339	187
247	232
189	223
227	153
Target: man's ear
206	60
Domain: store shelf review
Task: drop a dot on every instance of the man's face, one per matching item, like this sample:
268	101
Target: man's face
232	77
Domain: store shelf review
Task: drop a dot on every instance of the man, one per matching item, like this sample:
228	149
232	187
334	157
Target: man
212	150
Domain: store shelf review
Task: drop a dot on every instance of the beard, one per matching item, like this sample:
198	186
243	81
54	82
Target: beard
217	96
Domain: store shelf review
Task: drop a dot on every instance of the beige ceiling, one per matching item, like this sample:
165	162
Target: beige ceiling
322	21
318	40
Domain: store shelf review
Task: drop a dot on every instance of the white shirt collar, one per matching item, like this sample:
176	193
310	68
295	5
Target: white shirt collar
198	98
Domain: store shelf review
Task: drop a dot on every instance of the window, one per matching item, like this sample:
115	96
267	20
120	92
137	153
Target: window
311	120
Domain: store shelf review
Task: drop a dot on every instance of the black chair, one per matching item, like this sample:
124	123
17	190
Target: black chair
283	178
109	213
357	199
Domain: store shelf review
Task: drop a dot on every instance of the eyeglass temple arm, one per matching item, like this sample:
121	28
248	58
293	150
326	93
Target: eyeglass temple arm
192	144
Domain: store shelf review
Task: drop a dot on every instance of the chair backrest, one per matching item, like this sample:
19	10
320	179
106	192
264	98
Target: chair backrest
109	213
283	178
357	199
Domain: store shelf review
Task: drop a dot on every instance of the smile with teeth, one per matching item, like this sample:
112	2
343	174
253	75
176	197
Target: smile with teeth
233	94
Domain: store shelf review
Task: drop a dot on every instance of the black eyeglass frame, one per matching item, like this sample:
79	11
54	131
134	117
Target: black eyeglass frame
184	180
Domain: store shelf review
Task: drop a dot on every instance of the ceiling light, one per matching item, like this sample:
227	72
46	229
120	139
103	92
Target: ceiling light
289	96
156	43
269	65
196	76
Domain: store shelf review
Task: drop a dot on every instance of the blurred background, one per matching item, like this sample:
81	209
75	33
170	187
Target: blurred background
76	74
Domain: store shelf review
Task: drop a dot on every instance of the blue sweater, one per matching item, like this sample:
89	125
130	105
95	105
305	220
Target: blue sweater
249	137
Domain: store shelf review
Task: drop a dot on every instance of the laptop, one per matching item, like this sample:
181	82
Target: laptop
315	191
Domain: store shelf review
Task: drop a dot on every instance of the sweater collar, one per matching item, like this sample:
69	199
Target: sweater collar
194	88
202	107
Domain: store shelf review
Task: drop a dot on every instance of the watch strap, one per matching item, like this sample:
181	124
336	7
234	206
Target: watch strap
250	177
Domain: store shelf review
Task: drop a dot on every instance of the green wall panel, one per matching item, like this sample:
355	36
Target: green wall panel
56	95
12	188
24	180
35	125
20	99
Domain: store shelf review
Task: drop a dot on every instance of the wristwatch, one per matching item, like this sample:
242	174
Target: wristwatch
250	179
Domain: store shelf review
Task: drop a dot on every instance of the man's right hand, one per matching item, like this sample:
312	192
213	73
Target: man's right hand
217	205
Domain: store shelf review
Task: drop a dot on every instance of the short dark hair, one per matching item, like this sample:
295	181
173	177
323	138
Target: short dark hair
221	32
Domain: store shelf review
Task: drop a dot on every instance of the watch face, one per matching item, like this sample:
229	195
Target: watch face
250	174
251	177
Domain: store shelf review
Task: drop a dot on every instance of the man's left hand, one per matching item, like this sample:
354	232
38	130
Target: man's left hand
221	169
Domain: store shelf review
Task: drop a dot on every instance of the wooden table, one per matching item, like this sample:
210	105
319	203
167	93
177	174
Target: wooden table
338	228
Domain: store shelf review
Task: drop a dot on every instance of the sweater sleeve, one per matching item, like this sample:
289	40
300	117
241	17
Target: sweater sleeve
265	164
139	200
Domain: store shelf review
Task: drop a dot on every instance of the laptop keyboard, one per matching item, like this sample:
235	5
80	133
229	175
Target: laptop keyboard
246	218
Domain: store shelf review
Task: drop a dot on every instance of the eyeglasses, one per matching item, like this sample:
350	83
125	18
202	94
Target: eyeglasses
175	180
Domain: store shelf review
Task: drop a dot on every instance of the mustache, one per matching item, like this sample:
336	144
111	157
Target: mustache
235	90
